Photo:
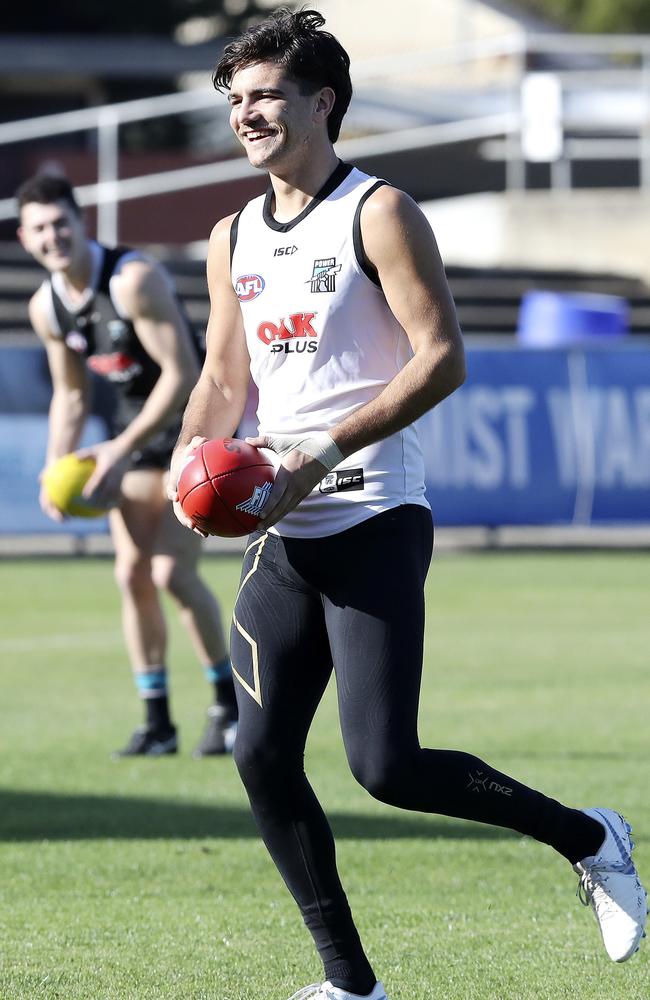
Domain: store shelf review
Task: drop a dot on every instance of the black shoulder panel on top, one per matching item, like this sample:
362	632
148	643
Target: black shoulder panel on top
109	263
366	265
63	317
233	235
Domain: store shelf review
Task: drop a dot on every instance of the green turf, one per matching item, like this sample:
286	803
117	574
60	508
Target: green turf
144	880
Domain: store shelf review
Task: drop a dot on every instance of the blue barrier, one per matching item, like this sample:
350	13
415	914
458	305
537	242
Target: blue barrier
543	437
556	436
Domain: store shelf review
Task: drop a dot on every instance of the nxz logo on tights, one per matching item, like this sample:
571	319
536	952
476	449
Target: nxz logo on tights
480	782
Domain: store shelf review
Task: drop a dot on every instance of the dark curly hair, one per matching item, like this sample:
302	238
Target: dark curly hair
294	40
45	189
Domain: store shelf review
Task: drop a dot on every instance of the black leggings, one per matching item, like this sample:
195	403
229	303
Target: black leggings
355	602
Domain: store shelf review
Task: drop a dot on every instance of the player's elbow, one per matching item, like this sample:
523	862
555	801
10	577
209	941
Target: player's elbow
448	371
456	367
180	380
229	383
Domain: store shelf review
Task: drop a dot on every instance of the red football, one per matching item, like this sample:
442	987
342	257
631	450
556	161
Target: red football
224	486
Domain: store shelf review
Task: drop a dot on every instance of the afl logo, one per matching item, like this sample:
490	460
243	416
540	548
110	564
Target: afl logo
248	287
76	341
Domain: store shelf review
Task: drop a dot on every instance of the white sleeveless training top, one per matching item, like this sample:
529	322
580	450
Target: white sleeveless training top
322	343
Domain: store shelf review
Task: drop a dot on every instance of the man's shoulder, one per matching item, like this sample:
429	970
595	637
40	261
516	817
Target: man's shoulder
373	194
121	260
382	192
385	202
221	229
130	271
40	297
221	246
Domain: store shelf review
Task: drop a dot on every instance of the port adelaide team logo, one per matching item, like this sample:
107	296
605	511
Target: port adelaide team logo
323	278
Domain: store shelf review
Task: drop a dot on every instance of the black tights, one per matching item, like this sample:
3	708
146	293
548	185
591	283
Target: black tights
355	601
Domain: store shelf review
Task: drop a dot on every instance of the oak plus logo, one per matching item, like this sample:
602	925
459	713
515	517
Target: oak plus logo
118	366
249	286
323	278
294	334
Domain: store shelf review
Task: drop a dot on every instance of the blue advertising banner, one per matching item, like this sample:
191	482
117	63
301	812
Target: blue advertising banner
543	437
535	436
617	438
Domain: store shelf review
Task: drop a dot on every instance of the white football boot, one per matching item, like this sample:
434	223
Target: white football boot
325	991
610	884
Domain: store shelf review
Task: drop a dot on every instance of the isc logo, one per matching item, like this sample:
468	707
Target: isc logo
284	251
249	286
344	479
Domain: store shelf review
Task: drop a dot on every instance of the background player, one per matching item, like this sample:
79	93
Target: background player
114	311
350	338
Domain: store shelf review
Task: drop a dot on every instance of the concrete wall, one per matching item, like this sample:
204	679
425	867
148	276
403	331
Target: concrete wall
578	230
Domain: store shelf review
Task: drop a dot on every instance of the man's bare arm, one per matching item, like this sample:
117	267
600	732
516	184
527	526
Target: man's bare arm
70	394
146	299
399	242
217	402
150	304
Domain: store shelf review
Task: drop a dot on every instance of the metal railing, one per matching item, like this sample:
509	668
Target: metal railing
517	49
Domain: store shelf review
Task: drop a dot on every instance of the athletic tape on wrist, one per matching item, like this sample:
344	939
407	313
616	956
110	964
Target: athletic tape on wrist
321	447
318	445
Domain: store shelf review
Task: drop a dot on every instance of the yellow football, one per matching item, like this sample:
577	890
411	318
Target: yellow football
65	479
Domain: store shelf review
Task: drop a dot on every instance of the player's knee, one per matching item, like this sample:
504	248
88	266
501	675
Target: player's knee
167	575
133	576
177	579
260	767
382	776
251	760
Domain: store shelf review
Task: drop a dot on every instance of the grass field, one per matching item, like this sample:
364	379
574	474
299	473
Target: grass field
144	879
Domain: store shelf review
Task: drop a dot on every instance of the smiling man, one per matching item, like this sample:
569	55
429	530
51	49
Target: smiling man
331	292
114	312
